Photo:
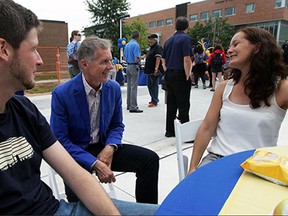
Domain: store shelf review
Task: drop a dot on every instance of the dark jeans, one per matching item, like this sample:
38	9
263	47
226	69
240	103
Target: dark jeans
178	98
131	158
210	76
153	87
199	72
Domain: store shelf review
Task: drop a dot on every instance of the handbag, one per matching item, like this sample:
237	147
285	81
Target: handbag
73	58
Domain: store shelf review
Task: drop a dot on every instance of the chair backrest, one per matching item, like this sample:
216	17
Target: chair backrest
184	133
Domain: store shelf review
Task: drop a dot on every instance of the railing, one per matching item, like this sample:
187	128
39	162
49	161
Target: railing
54	61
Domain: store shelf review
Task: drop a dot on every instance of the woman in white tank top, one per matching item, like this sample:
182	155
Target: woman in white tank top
247	110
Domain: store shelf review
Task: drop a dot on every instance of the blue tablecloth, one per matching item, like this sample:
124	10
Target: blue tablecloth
205	191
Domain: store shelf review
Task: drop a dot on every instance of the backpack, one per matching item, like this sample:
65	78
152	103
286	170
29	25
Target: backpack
217	60
199	58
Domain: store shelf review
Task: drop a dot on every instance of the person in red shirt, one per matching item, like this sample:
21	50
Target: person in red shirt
216	61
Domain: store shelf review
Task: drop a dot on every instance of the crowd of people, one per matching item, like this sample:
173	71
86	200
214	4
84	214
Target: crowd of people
86	125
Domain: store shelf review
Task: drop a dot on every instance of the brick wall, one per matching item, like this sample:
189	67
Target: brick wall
53	35
264	12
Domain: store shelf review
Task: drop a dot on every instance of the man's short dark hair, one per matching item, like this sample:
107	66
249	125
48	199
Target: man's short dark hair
135	34
153	36
16	22
181	23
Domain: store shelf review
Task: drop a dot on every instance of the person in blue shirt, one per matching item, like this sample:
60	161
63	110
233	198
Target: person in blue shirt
72	48
177	64
132	56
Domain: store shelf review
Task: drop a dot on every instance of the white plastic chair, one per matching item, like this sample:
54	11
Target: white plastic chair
111	193
184	133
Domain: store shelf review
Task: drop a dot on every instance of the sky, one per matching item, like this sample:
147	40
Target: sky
74	12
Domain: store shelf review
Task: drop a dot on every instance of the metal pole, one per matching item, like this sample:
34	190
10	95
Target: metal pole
120	35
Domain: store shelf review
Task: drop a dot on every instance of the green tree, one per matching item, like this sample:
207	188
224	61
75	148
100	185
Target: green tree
140	26
105	17
216	30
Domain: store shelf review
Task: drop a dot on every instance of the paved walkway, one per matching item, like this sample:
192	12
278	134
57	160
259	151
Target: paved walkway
147	129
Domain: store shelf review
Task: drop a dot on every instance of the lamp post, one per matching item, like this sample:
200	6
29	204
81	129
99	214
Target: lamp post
120	34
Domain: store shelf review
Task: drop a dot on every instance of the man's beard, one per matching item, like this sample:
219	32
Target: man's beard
17	71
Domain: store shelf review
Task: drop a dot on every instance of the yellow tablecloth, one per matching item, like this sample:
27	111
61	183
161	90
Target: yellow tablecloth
255	195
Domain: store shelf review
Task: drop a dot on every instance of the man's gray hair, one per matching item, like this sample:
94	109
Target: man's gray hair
89	45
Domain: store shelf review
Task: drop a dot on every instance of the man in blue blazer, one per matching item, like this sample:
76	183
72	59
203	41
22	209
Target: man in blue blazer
86	117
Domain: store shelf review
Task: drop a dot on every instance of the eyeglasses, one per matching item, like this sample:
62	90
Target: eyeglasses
78	35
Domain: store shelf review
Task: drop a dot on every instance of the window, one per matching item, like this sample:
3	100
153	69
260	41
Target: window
193	17
152	24
169	22
279	3
204	15
250	8
230	11
160	23
217	13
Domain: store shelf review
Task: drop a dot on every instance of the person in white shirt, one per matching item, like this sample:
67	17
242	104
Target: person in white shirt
247	110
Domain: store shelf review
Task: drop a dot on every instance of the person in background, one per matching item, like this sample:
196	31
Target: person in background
208	66
226	71
177	65
26	137
153	67
285	51
86	117
200	65
72	48
247	110
132	56
217	60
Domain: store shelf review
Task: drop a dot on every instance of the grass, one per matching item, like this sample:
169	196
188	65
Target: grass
42	88
51	76
48	87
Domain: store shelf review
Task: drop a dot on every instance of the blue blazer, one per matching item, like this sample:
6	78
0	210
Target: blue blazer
70	119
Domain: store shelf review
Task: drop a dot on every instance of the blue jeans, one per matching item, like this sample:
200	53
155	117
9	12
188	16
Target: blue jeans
125	208
153	87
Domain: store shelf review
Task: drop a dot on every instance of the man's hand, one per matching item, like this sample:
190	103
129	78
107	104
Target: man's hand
103	165
104	173
106	155
156	72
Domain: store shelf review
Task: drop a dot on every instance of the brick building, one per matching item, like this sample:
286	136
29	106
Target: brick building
53	40
269	14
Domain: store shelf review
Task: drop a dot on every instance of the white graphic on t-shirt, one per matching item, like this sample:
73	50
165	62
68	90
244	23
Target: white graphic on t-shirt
13	150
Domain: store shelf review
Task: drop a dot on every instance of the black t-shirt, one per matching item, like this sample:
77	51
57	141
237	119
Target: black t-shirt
153	52
24	134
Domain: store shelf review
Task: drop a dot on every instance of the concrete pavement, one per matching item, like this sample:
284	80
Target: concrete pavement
147	129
